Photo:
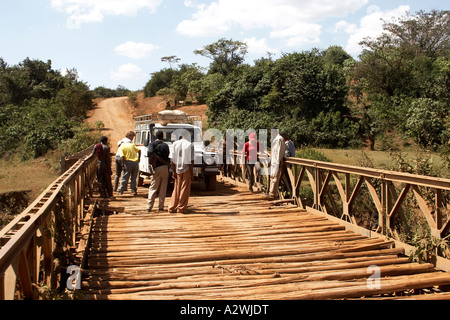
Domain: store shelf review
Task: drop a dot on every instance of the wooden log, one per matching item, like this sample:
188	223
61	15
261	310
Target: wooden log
326	244
298	290
232	246
103	261
313	259
387	285
127	281
124	246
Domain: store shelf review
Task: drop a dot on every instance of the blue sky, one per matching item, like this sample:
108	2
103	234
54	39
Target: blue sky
121	42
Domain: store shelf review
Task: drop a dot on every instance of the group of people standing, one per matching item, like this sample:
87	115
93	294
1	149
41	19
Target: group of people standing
182	164
126	163
127	169
282	147
181	161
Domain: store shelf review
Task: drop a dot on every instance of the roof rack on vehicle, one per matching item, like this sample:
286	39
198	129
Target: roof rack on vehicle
148	117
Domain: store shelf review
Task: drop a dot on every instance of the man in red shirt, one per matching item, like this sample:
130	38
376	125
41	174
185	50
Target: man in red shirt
250	155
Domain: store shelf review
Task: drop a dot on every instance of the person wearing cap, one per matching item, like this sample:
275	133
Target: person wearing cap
119	164
129	157
250	157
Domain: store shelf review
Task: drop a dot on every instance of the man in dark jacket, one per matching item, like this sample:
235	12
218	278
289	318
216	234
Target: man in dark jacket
158	156
104	172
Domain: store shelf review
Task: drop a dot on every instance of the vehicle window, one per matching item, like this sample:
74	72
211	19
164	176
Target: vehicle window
138	137
198	136
171	134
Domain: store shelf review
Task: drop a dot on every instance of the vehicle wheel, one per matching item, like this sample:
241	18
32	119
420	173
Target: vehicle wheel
210	182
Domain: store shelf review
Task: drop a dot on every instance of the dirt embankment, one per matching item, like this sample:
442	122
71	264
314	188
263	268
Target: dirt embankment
157	104
117	114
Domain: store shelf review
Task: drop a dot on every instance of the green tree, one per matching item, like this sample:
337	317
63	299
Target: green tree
424	33
102	92
299	93
226	55
409	61
308	86
39	107
427	122
336	55
171	60
204	88
159	80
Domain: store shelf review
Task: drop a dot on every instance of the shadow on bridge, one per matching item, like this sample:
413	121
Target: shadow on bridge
236	245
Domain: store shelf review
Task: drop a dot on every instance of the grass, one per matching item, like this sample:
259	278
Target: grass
379	159
32	175
22	182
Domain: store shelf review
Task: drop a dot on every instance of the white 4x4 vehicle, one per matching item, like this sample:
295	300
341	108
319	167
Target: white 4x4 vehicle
172	123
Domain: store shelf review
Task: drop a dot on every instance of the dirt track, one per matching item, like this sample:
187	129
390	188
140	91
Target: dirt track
115	113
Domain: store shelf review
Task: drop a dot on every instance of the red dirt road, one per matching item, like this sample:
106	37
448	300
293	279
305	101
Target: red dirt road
117	116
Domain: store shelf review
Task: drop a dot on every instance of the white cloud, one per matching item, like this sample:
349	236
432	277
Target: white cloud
372	9
135	50
296	22
299	34
370	25
84	11
260	46
344	26
127	71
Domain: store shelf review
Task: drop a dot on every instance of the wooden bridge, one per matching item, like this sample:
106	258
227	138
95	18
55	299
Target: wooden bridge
232	244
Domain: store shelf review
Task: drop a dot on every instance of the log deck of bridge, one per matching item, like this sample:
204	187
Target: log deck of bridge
237	245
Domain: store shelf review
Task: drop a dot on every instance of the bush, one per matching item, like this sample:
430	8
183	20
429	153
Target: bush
426	122
39	107
82	139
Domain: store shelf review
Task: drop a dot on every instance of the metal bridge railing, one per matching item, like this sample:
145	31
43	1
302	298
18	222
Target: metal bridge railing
389	198
38	243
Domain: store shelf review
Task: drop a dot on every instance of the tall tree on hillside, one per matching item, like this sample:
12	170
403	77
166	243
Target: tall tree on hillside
226	55
402	65
423	33
171	60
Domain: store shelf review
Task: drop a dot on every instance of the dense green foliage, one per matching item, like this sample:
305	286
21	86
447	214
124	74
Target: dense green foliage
102	92
402	81
300	93
399	86
39	107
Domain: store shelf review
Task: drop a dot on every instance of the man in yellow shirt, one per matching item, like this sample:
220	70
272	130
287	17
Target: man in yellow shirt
129	159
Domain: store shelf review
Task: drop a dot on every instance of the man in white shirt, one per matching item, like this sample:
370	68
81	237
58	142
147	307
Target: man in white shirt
182	162
276	163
